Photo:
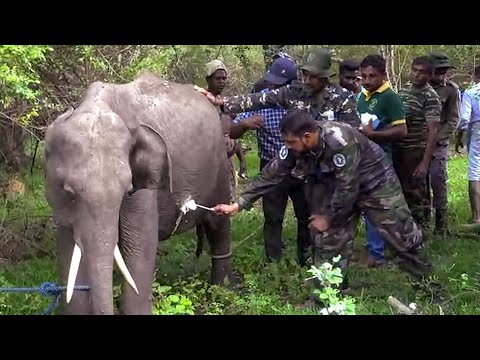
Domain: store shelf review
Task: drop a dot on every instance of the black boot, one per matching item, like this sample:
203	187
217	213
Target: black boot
441	223
427	215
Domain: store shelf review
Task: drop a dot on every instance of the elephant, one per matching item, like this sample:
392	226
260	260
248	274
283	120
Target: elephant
119	168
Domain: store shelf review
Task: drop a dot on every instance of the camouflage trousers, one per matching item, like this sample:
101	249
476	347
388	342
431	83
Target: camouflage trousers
387	211
415	190
438	176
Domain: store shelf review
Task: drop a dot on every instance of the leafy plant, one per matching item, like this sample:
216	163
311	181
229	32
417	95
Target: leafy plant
330	277
173	304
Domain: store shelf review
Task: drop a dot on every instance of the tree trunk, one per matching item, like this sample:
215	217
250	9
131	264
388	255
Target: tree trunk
12	149
388	53
269	51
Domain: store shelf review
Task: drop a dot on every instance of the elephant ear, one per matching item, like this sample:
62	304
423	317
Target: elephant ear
191	129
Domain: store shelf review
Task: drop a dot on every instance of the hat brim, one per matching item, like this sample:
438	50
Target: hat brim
274	79
312	70
444	65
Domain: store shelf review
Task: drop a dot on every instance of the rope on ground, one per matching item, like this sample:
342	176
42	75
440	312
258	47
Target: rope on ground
46	289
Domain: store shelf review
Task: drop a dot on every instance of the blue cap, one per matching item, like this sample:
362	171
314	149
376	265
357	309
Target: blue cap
282	71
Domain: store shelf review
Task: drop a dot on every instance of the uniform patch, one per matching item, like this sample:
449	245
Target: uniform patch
283	153
339	160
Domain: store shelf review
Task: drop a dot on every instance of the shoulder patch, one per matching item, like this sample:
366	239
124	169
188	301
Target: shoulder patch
283	153
339	160
337	134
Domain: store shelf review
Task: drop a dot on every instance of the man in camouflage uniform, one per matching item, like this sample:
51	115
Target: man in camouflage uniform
448	92
412	154
315	94
355	176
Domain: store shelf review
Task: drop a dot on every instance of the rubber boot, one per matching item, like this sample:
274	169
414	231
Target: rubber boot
441	223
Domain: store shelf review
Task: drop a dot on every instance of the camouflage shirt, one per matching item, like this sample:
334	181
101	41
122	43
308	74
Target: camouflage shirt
333	103
345	158
421	106
448	93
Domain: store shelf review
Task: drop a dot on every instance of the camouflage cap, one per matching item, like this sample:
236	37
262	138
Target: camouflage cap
440	60
319	63
215	65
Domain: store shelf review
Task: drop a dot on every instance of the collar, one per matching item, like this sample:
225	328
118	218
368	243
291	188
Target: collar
426	86
442	84
385	86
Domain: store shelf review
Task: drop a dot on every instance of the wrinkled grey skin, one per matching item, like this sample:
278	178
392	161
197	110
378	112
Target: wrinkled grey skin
118	169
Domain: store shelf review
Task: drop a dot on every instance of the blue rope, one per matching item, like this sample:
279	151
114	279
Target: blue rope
46	289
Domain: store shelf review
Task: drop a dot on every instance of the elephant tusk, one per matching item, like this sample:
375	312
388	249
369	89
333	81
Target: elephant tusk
123	268
72	274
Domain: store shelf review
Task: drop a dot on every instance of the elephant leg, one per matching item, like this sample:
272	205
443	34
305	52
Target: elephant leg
217	229
138	245
80	302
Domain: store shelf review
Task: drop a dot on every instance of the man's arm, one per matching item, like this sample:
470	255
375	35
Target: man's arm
433	109
452	119
347	184
258	101
244	122
398	125
349	112
272	175
241	158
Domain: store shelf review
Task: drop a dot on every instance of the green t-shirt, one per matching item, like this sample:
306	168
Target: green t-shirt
386	105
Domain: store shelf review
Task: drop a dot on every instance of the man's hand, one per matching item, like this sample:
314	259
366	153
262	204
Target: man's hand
254	122
367	129
224	209
319	223
421	170
214	100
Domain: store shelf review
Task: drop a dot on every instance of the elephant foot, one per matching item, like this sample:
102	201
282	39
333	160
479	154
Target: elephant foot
221	273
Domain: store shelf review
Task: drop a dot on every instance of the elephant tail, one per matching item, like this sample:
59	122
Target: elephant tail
200	238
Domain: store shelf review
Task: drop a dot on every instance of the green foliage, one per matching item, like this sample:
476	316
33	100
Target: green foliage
173	304
17	72
329	278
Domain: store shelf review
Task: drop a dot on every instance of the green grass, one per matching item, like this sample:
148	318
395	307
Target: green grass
181	279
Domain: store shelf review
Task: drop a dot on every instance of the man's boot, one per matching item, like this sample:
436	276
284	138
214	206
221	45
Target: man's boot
474	195
441	223
427	215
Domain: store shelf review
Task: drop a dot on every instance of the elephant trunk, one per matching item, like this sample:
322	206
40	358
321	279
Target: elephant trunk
100	273
97	250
